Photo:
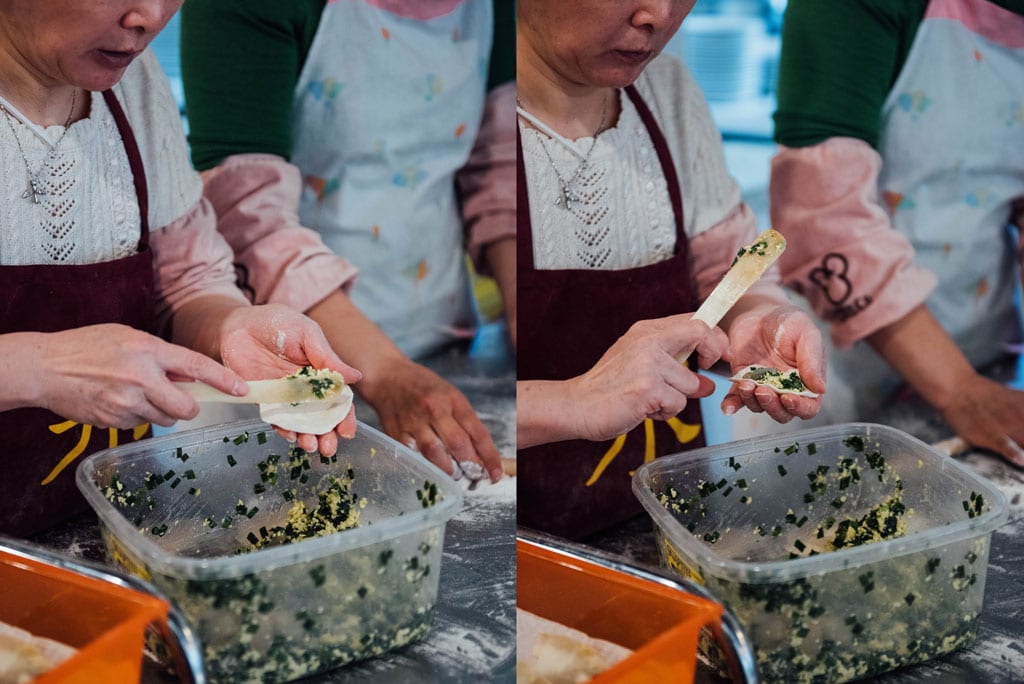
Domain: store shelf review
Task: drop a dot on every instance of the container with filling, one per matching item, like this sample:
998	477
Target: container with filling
287	563
845	551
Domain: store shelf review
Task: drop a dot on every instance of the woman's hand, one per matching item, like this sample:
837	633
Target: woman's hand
641	376
272	341
988	415
983	412
419	408
779	336
110	375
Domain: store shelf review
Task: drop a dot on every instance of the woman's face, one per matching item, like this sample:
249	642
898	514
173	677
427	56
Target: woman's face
87	43
604	43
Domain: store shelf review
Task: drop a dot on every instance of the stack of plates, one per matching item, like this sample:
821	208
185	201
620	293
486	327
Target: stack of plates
725	53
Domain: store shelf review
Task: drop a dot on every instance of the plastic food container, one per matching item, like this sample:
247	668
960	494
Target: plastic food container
106	623
660	623
775	526
201	515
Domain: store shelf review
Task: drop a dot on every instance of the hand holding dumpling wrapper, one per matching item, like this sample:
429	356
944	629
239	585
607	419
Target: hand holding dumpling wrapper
308	401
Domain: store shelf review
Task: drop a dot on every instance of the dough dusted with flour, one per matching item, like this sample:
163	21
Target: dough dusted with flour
24	656
548	652
313	417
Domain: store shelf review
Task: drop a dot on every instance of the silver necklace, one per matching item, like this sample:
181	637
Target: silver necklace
568	194
35	186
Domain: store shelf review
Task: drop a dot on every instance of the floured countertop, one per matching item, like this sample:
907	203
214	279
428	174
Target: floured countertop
473	634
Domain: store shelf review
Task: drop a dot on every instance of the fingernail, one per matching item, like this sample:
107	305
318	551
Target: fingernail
239	388
729	410
497	474
1018	453
456	471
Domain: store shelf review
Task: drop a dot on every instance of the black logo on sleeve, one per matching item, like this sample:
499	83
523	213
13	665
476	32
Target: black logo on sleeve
242	281
831	277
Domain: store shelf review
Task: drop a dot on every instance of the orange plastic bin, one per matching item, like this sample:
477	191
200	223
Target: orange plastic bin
106	623
660	624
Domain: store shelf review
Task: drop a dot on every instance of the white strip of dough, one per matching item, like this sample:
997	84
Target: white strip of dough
311	417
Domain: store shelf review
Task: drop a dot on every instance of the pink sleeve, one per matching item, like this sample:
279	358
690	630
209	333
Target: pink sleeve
256	197
190	260
843	255
714	250
487	183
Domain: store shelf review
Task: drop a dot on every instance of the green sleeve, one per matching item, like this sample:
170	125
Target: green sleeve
840	59
503	52
240	62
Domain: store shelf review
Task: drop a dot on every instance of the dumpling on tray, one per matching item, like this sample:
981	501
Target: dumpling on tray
24	656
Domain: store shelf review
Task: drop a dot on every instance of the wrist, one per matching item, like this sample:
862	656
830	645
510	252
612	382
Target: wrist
546	412
22	369
946	389
380	373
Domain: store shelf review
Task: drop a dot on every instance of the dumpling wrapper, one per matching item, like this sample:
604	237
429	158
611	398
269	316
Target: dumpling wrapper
311	417
548	652
24	656
740	375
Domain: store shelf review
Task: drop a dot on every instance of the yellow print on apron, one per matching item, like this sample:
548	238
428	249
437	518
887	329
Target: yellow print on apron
60	428
685	433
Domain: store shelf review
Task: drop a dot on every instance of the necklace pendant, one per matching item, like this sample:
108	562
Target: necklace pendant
567	198
33	192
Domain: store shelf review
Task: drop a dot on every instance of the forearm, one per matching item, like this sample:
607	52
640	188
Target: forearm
927	358
19	370
200	323
543	413
358	341
501	256
487	183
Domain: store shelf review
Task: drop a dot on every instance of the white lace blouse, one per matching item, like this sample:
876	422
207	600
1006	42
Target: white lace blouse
89	213
623	215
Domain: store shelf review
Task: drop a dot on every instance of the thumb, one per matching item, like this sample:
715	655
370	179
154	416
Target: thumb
321	355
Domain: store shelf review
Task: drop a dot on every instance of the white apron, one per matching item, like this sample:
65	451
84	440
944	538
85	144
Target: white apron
386	111
952	141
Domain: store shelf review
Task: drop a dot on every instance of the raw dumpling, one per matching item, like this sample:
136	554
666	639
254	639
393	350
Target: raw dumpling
784	382
312	417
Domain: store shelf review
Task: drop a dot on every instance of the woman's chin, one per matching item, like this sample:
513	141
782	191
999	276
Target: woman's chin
618	75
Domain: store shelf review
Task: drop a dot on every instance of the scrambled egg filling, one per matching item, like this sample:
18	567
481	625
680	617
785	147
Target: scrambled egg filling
790	380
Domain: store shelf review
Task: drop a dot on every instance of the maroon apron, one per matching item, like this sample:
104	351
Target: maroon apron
567	320
37	485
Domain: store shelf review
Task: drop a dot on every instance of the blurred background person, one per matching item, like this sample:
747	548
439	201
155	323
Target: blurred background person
899	183
371	137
